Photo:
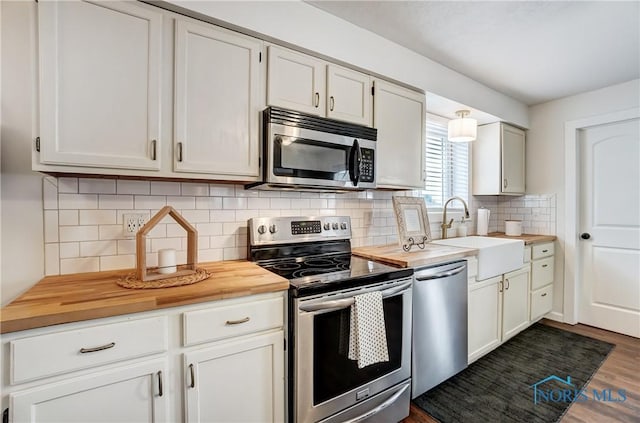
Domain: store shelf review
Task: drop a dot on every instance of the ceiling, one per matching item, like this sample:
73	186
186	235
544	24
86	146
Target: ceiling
533	51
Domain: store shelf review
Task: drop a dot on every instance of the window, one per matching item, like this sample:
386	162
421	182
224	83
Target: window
447	165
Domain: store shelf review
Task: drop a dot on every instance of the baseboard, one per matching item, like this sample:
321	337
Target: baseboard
556	316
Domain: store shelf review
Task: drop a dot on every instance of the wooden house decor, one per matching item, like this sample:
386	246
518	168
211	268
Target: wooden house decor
150	277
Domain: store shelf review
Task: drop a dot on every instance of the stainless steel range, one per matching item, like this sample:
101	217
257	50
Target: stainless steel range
314	253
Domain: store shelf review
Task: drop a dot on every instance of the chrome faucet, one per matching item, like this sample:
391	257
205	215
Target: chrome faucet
446	225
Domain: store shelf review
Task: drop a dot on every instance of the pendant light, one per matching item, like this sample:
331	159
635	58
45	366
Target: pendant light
462	129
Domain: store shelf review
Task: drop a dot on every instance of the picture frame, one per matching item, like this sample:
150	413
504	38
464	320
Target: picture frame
413	222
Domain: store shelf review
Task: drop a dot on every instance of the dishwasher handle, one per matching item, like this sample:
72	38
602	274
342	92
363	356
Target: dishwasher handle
440	275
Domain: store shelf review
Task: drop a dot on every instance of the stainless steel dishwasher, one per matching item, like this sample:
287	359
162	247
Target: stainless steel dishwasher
439	324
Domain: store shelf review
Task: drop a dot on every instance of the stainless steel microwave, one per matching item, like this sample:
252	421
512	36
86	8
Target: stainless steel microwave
304	151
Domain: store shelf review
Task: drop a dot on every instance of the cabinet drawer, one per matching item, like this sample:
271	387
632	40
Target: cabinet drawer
541	272
541	302
541	250
527	254
233	320
62	352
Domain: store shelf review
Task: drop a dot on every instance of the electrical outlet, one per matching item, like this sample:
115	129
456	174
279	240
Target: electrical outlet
132	222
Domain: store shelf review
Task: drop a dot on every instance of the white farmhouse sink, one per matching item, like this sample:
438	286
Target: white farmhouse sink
495	255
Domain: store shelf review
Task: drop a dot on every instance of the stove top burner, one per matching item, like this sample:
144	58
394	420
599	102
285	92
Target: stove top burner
307	266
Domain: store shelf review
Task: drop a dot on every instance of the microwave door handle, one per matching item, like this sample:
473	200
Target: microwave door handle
347	302
355	158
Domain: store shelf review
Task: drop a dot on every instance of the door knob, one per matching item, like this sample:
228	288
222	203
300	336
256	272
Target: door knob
585	235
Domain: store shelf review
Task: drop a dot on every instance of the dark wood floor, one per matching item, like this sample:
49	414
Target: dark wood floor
621	370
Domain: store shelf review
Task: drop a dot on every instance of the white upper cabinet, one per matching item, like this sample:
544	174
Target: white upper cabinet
348	95
100	84
217	103
399	115
498	160
296	81
307	84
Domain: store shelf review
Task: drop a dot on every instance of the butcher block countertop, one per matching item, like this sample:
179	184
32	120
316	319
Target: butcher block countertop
527	238
84	296
394	255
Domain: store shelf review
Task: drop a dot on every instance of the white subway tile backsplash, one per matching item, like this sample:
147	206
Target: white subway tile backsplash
111	201
96	186
222	216
210	255
260	203
160	243
165	188
209	203
234	203
49	193
126	246
107	232
195	189
50	226
79	265
117	262
223	241
68	217
69	249
51	259
152	202
98	217
133	187
196	216
98	248
221	190
68	185
77	201
182	203
78	233
209	228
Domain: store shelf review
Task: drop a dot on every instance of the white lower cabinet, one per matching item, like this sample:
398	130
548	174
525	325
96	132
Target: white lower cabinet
253	373
515	304
485	305
498	308
133	393
156	366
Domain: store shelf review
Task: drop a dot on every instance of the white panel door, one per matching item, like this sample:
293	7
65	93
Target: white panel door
217	101
238	381
610	214
513	148
485	318
515	302
100	84
399	115
136	393
348	95
296	81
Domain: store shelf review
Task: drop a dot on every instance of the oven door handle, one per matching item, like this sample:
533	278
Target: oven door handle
379	408
347	302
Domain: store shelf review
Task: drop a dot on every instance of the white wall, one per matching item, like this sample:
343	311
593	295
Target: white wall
305	26
545	150
21	203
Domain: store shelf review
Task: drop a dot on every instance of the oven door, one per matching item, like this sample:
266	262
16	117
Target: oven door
299	156
325	380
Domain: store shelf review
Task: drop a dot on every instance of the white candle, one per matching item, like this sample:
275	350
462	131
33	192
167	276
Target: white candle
167	260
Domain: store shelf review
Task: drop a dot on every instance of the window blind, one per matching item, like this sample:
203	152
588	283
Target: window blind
447	166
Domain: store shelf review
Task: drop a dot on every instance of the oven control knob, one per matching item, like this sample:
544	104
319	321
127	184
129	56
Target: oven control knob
343	225
335	225
262	229
273	229
327	226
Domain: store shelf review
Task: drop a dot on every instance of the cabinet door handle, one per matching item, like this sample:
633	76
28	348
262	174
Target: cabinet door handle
192	374
179	151
507	282
239	321
544	295
501	284
545	265
160	390
332	103
317	102
506	183
96	349
545	251
153	149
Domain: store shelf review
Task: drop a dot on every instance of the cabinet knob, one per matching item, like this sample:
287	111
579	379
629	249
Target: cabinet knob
585	235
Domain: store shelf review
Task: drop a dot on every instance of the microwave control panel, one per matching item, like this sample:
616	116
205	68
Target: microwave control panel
367	170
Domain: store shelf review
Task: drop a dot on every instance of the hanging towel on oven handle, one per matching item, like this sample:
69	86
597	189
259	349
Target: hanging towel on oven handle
368	337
